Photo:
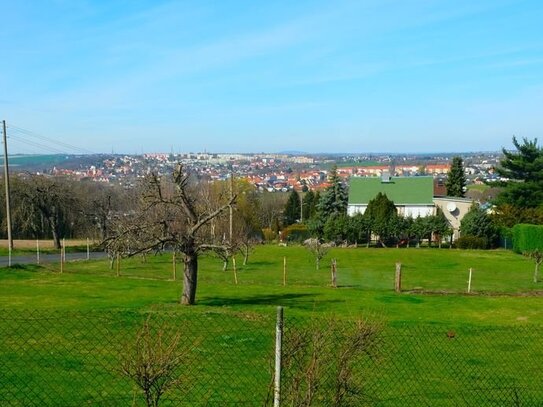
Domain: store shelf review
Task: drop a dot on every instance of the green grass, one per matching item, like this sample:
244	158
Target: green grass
478	187
368	163
502	285
239	320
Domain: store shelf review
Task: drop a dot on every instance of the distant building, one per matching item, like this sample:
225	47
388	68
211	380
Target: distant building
413	197
435	169
454	209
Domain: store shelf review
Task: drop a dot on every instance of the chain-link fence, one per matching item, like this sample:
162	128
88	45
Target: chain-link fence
116	358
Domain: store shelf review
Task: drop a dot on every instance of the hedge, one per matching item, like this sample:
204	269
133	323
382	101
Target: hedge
527	237
471	242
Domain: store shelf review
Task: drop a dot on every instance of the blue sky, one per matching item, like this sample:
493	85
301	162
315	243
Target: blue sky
251	76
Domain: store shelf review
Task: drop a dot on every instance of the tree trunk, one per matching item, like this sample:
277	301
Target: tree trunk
225	265
318	263
190	278
103	229
246	255
536	272
54	231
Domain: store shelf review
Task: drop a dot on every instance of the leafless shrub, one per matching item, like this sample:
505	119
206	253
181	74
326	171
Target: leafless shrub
318	249
537	256
154	362
324	363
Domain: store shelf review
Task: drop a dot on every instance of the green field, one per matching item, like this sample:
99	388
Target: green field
497	326
478	187
365	278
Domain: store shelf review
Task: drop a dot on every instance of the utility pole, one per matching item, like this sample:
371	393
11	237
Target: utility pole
6	181
230	207
302	206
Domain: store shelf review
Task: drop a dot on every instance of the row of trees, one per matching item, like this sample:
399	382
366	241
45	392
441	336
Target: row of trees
49	207
381	221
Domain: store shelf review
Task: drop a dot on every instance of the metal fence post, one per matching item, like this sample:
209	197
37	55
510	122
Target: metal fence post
278	352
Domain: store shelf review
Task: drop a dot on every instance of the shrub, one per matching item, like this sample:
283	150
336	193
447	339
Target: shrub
296	233
269	235
327	362
527	238
471	242
478	223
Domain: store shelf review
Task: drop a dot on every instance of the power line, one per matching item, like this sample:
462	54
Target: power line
29	133
35	144
42	138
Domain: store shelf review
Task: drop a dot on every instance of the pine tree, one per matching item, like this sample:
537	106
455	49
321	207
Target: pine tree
456	180
524	169
334	200
308	206
382	214
291	214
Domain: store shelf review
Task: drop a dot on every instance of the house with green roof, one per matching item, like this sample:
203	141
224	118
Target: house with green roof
413	196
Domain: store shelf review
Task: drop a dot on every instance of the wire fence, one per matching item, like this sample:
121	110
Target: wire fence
116	358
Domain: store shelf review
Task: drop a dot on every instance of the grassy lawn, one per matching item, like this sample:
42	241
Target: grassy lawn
478	187
235	322
502	287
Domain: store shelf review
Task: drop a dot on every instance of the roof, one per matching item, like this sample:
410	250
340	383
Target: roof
400	190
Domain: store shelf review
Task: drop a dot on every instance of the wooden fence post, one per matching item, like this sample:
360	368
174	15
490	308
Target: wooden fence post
284	271
469	280
118	266
174	265
61	261
334	273
398	278
235	270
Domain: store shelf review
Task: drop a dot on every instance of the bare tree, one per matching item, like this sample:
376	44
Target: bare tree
537	256
175	215
271	207
102	202
324	363
51	199
319	249
244	231
153	362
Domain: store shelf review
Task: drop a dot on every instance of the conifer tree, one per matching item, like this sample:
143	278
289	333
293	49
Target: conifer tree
382	215
334	200
524	169
308	206
292	213
456	180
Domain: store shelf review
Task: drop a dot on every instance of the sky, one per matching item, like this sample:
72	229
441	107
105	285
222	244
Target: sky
316	76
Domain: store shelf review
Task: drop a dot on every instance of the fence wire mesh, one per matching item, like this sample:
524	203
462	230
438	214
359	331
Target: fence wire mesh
58	358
